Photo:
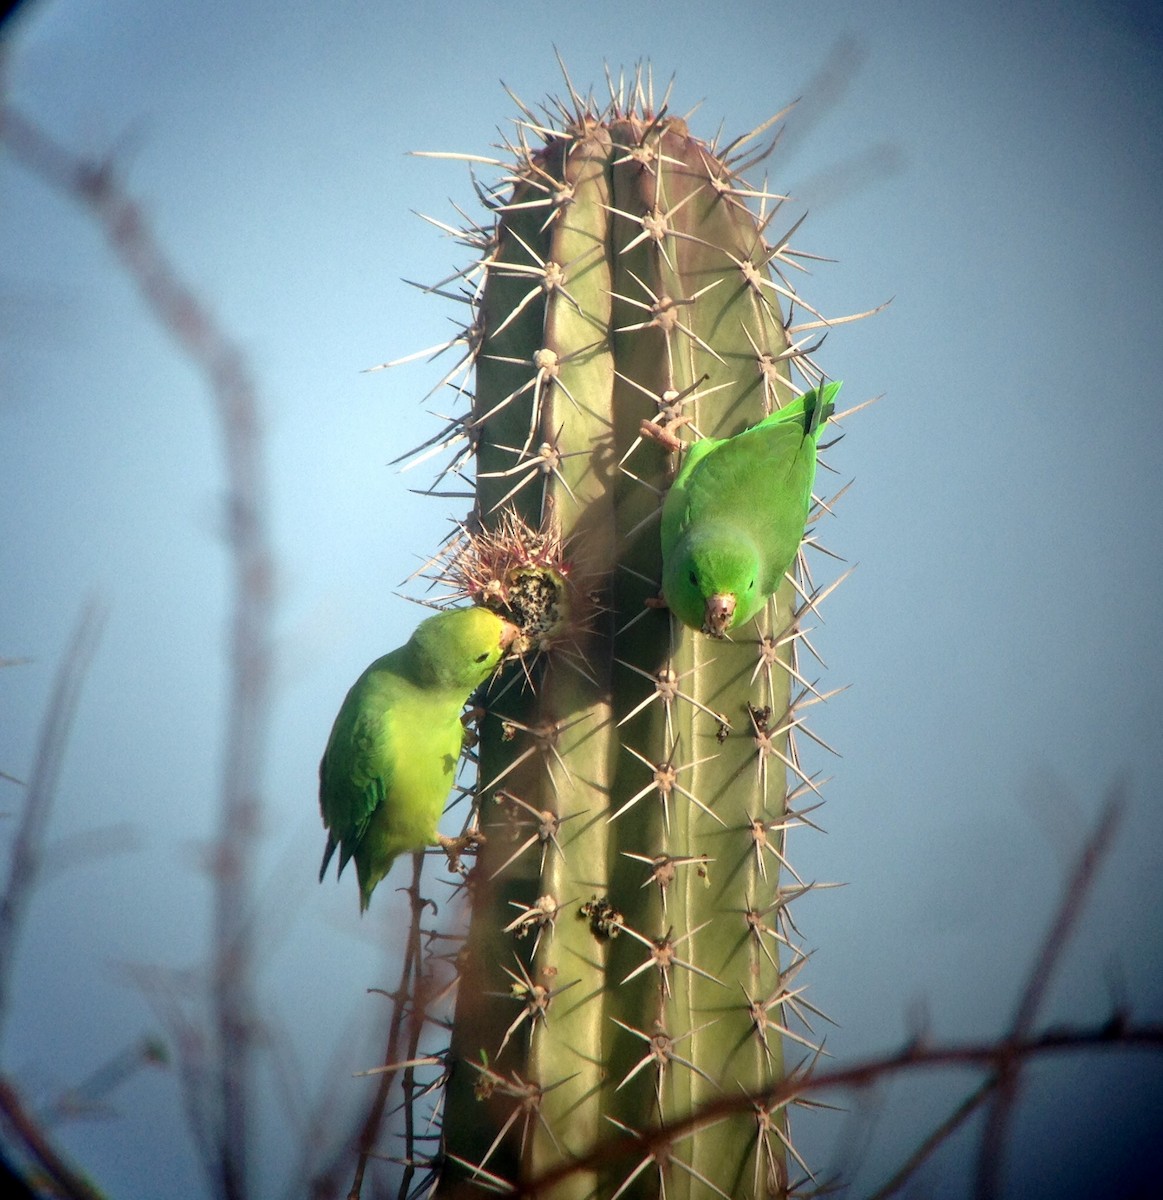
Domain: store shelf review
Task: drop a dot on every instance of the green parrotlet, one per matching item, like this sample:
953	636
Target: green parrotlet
734	516
391	758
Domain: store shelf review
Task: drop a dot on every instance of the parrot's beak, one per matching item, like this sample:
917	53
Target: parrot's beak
717	616
509	634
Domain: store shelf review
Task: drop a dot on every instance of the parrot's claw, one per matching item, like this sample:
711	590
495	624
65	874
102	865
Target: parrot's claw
658	601
455	848
662	433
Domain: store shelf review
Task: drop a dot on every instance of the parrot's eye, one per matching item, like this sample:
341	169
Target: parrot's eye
482	657
694	579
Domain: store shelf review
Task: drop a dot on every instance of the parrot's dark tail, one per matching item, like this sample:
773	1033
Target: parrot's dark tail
819	405
328	851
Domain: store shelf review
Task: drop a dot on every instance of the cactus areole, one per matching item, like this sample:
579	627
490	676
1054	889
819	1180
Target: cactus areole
629	955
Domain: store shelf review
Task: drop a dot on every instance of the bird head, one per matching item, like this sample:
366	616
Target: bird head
460	648
712	582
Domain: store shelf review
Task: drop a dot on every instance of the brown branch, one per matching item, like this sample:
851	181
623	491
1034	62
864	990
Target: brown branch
1005	1058
23	1128
95	185
409	975
934	1141
23	873
991	1157
1113	1034
28	845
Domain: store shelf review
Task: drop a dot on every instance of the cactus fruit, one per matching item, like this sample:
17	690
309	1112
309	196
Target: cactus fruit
630	954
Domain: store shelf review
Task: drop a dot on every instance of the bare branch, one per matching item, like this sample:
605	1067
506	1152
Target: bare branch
96	186
991	1156
28	845
67	1181
1114	1034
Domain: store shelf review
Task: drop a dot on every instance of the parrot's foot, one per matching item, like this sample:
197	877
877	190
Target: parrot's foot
662	433
658	601
456	848
469	736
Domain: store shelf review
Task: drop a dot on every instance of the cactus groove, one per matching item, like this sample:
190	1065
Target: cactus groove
629	953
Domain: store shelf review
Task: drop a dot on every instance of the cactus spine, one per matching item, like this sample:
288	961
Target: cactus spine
623	961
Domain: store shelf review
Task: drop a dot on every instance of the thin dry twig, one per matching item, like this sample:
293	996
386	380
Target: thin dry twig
95	185
24	870
936	1139
991	1157
409	973
1116	1033
66	1180
1003	1060
28	844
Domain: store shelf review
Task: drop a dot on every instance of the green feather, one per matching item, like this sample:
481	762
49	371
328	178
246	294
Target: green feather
734	516
391	758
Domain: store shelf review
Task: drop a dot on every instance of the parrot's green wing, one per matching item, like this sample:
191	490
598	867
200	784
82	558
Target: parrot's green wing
762	473
762	478
676	508
751	474
355	775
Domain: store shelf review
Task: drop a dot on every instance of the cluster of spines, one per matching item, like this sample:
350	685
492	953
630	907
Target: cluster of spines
624	959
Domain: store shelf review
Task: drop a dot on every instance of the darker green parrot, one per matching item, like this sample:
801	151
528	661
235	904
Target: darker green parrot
734	516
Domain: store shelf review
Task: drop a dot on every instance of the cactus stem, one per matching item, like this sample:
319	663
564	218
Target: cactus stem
545	735
661	1154
598	325
662	955
661	1053
536	998
664	869
540	915
665	779
761	841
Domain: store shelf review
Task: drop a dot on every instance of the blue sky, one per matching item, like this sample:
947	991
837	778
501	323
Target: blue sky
1001	633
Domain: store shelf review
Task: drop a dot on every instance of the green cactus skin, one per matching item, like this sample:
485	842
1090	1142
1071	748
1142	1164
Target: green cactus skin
624	967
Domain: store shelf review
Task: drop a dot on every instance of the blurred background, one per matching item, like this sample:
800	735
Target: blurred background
992	166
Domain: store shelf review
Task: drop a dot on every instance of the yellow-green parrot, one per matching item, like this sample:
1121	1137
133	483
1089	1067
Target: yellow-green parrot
734	516
391	758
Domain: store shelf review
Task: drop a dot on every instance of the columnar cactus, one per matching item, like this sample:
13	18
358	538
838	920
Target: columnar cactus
630	955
